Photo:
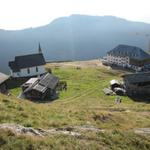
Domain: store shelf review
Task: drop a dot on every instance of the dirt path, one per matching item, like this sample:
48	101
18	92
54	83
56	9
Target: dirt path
78	96
79	64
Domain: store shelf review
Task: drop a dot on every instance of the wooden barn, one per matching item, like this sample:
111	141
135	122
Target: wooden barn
3	84
137	84
41	88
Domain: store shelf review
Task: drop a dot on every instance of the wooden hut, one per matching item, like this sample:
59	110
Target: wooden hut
41	88
137	84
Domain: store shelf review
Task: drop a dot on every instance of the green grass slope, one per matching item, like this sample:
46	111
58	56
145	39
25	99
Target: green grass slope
82	104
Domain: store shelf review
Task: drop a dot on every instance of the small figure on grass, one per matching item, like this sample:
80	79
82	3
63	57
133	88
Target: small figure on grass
117	100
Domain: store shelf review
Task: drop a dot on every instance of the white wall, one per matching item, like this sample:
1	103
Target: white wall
33	72
121	61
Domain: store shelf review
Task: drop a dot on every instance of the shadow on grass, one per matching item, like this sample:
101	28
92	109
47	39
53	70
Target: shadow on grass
16	82
45	100
122	69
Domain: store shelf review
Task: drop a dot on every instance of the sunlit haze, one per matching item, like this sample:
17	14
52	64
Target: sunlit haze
20	14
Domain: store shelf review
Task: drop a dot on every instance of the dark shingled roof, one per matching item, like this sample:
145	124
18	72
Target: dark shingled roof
27	61
47	81
13	66
129	51
137	77
3	78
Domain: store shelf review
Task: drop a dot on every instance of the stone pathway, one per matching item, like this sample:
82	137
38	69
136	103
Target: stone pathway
75	131
72	131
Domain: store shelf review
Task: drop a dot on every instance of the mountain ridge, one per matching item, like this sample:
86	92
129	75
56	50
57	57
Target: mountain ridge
76	15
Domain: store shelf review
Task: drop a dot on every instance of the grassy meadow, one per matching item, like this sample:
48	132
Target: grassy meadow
84	103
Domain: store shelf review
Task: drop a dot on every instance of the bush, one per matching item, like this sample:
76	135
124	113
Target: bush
49	70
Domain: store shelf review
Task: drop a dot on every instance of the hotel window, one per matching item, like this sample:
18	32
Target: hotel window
37	69
28	70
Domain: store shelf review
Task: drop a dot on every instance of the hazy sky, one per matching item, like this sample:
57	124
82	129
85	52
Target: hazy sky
18	14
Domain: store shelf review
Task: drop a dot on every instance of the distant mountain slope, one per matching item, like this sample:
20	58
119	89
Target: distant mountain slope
73	37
